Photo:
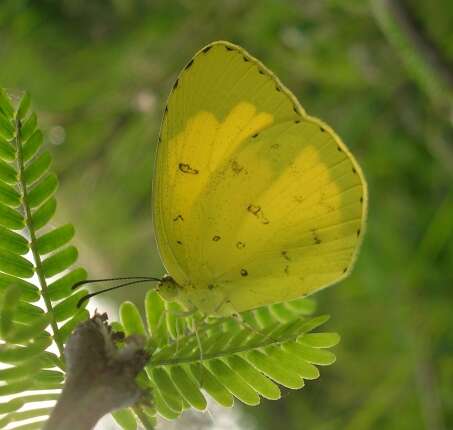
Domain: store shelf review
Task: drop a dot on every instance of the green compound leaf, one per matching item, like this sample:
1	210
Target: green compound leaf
244	358
33	318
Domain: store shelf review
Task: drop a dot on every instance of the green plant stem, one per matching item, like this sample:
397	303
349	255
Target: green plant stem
33	246
422	61
436	237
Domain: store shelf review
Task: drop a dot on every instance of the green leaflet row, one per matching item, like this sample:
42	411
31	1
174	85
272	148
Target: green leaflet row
226	359
37	305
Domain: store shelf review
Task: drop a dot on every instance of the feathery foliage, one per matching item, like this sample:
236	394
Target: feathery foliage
37	308
245	357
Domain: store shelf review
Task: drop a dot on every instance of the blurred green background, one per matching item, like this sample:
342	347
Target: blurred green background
379	72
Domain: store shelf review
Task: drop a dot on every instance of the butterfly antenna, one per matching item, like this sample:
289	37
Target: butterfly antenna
120	278
125	284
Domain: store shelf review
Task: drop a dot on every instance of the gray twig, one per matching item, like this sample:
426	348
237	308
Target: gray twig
100	376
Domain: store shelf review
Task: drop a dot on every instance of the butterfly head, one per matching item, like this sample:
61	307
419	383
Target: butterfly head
168	288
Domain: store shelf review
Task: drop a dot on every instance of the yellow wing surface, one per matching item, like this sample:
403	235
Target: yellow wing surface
255	202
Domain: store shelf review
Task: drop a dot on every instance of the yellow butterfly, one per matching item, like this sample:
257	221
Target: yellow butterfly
255	202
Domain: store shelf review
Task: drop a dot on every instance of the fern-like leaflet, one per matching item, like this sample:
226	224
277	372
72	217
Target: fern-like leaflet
240	358
36	315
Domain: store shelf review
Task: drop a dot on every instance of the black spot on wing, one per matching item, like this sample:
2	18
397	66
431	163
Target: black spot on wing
245	59
237	168
205	50
258	212
240	245
339	149
216	238
322	129
244	272
254	209
175	85
185	168
179	217
315	236
189	64
297	121
286	256
354	171
255	135
261	72
358	232
345	270
229	48
179	242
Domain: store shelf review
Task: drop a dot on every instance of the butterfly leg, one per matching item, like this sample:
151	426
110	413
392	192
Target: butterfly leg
201	356
250	327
